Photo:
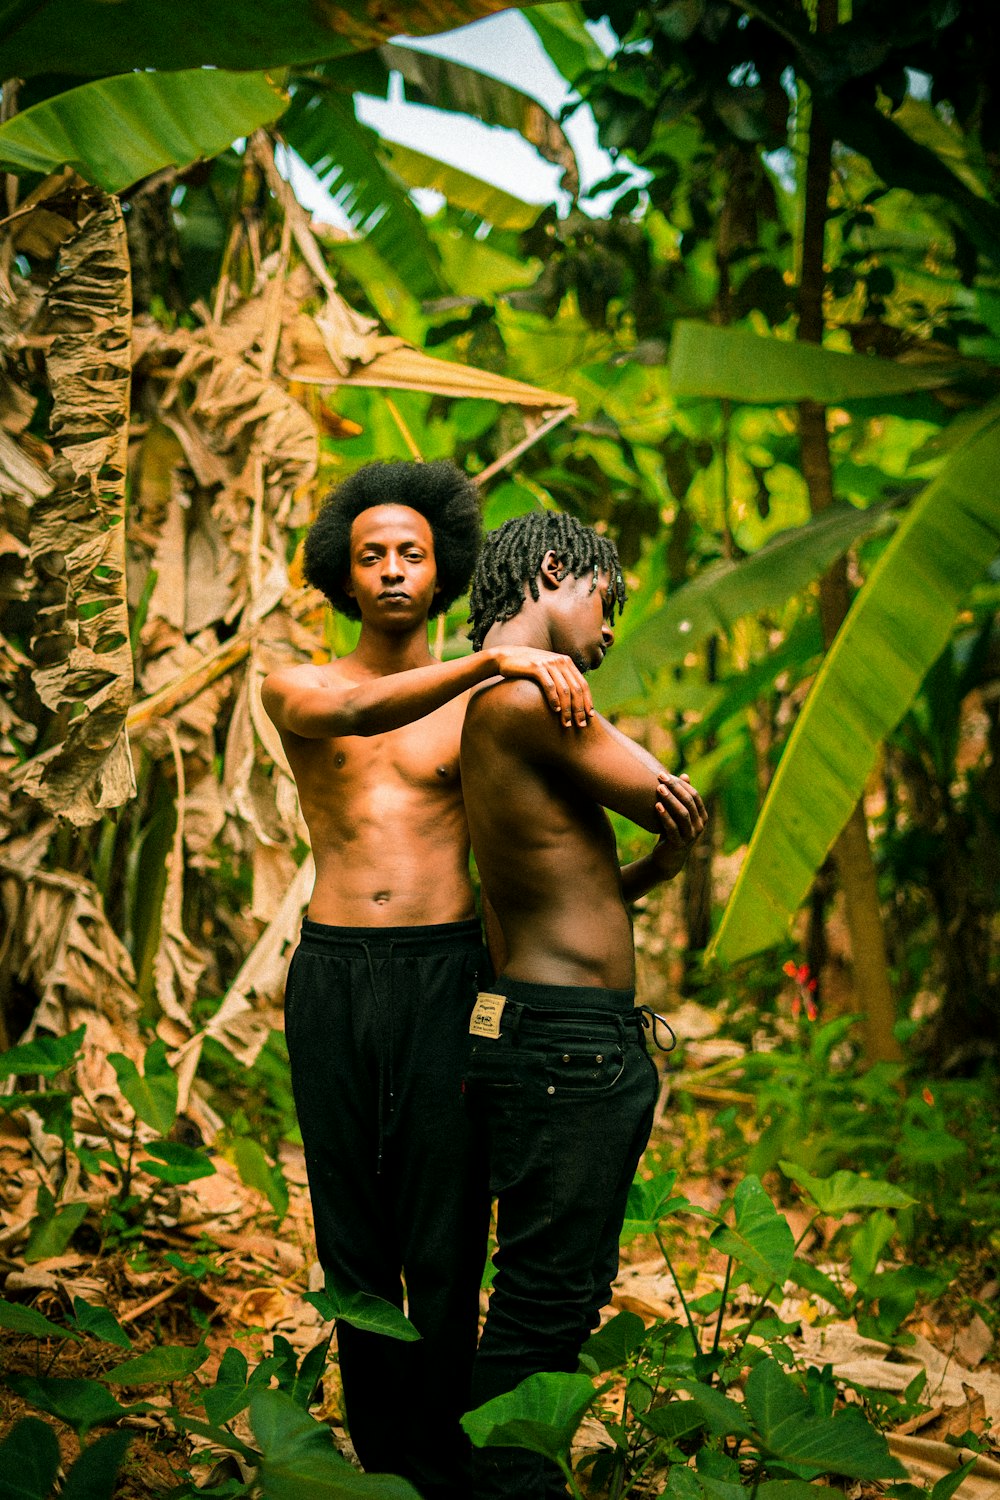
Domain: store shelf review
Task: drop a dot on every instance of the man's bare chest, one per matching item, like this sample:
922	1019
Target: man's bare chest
422	756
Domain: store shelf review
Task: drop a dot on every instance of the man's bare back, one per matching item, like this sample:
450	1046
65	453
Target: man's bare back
545	850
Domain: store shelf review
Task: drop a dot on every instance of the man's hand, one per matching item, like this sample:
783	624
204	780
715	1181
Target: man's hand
562	682
683	818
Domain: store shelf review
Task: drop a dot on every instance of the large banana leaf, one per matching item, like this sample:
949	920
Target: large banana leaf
118	130
725	593
564	36
449	85
92	38
897	627
460	188
731	362
320	125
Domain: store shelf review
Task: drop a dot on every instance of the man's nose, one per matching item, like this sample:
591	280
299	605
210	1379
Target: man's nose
607	636
392	566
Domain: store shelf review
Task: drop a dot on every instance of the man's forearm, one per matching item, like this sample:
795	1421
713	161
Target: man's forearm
642	875
387	703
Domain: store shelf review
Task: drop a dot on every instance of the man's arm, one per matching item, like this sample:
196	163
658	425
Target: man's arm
683	820
603	763
299	700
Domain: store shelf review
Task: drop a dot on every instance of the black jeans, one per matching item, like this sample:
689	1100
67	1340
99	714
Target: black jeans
377	1025
564	1097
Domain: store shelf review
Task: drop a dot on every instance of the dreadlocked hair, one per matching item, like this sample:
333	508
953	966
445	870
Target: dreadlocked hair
512	557
441	493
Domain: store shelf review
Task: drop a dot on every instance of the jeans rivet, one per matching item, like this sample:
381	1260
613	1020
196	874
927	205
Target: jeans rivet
565	1057
551	1089
599	1058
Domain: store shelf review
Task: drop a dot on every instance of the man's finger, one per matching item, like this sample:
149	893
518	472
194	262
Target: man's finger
679	808
575	685
671	833
681	788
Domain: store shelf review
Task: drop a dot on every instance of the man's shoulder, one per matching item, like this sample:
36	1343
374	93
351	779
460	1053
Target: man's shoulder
503	697
510	712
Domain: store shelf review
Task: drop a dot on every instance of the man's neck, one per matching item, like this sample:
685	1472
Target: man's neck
380	653
528	628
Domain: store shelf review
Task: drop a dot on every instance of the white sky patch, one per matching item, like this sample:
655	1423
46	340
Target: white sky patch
505	47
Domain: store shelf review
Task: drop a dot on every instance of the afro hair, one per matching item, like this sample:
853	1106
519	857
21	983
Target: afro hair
441	493
512	557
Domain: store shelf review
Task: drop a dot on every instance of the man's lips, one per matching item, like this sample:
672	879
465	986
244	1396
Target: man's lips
394	596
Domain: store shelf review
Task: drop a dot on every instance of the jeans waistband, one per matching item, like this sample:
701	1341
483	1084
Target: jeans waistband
324	937
562	997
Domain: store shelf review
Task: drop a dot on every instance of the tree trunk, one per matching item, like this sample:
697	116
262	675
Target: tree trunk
851	852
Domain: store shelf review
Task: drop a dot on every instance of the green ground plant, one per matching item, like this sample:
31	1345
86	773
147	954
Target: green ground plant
666	1402
140	1168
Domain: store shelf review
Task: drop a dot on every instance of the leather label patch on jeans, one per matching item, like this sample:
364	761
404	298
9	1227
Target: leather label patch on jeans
486	1014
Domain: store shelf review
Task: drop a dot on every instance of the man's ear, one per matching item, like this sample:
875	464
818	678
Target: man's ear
348	587
553	570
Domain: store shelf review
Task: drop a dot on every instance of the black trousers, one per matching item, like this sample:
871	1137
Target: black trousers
564	1097
377	1026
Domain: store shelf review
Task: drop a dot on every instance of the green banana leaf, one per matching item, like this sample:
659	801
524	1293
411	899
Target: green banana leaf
118	130
725	593
561	31
731	362
91	38
492	204
899	624
444	84
320	126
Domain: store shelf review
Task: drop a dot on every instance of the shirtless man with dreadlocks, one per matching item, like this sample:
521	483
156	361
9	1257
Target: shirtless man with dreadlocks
559	1079
382	984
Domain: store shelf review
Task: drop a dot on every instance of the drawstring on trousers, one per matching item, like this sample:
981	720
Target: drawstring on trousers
651	1020
384	1006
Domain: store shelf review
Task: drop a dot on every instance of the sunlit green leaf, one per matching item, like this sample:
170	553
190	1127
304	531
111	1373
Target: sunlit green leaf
446	84
50	1236
674	1420
897	627
47	1055
100	1322
256	1171
18	1319
709	361
82	1404
541	1414
299	1461
151	1093
460	188
163	1363
789	1429
565	38
176	1162
843	1192
613	1344
760	1242
726	592
365	1311
320	125
116	131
